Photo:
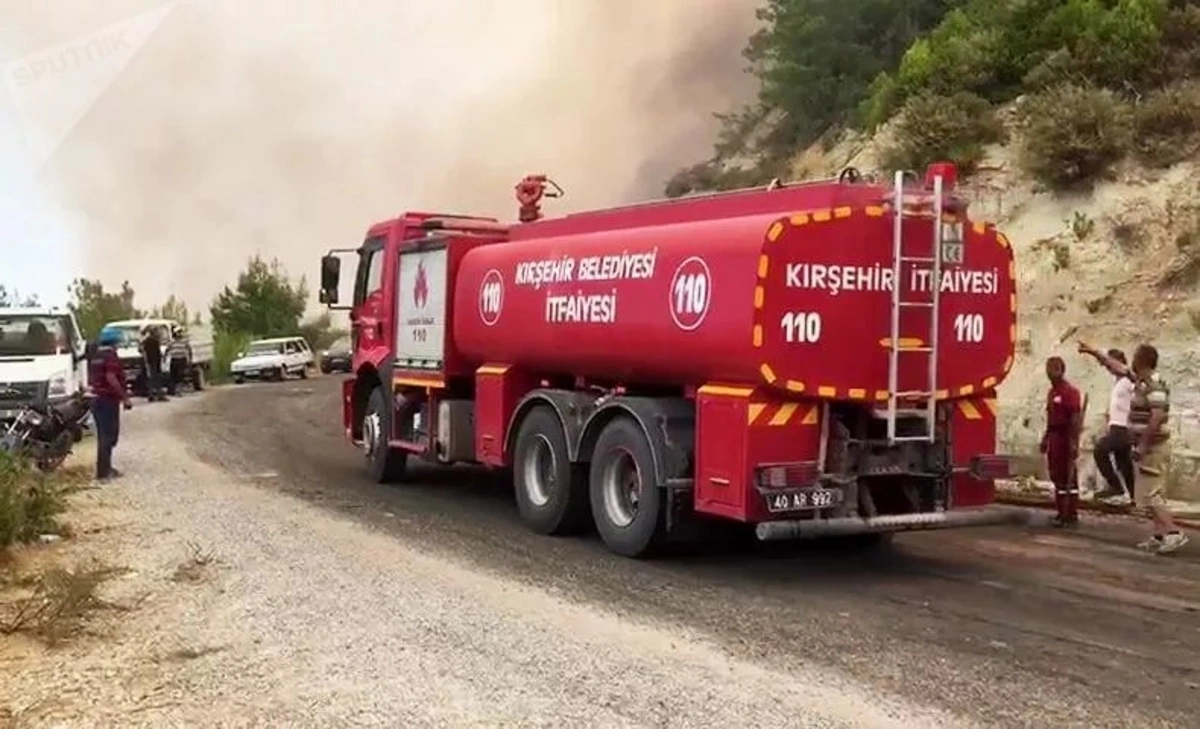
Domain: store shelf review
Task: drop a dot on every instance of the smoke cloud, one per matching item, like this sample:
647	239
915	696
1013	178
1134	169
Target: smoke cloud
286	127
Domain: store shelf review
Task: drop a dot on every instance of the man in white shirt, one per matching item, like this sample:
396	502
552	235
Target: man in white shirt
1115	446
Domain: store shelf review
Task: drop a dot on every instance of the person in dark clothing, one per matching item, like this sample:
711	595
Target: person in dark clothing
153	353
1064	414
108	389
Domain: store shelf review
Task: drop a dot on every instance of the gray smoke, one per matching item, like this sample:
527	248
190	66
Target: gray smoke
285	127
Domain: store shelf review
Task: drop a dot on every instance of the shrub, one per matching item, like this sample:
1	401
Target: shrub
1179	53
1073	134
1167	125
226	348
28	502
954	128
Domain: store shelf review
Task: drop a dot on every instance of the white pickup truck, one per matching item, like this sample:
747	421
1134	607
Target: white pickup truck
186	358
43	358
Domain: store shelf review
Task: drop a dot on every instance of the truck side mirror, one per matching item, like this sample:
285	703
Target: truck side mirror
331	269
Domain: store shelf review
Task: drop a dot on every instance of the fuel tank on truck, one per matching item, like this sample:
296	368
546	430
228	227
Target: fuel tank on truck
799	301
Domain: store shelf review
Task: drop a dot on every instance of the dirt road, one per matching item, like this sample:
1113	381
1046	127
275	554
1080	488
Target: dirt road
1007	627
429	605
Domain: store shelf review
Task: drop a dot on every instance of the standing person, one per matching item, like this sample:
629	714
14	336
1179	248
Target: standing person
1115	446
108	389
1148	413
1060	443
152	351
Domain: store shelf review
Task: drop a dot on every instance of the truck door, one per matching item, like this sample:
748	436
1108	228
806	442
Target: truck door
369	315
421	306
78	348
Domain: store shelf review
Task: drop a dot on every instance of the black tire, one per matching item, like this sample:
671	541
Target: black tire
239	380
304	372
551	494
198	383
325	370
384	464
624	460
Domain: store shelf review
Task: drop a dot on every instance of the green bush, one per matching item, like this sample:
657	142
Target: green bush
1180	53
931	128
1167	125
28	502
996	49
1073	134
226	348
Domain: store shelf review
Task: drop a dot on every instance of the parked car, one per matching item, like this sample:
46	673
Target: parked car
273	359
337	358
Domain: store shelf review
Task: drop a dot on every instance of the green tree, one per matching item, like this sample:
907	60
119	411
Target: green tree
14	298
816	60
94	307
265	302
174	309
320	332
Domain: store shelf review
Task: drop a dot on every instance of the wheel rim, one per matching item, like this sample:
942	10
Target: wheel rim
372	427
540	468
621	485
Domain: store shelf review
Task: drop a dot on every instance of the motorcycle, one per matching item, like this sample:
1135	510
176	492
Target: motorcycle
46	434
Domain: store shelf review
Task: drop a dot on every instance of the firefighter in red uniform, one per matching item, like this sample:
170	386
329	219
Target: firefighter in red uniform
1060	444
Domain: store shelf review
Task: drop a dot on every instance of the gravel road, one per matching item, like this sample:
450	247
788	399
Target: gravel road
1002	626
255	608
330	601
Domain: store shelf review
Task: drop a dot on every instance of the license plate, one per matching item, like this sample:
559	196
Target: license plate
815	498
251	373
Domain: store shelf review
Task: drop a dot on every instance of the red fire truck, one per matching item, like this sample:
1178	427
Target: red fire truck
813	359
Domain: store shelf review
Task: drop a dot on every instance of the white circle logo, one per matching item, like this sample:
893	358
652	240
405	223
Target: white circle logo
691	293
491	297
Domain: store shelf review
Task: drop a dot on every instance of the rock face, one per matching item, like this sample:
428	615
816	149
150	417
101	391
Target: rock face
1116	266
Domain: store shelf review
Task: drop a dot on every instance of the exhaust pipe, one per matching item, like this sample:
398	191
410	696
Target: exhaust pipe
770	531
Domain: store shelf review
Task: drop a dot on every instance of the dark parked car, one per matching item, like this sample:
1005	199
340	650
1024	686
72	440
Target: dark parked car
336	359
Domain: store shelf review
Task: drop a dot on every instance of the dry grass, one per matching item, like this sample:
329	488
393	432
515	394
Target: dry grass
57	603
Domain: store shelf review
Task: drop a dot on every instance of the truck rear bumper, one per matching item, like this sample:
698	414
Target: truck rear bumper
810	528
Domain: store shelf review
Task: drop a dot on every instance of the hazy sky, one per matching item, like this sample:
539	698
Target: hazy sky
167	147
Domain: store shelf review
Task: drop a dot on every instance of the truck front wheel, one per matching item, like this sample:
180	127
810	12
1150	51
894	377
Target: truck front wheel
626	500
551	492
386	465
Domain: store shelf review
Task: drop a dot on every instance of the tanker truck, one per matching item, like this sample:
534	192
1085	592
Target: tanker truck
809	359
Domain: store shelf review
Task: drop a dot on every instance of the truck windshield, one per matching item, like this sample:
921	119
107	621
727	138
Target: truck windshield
129	336
28	335
264	348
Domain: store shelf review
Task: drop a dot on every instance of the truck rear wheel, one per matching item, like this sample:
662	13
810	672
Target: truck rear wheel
386	465
551	493
626	501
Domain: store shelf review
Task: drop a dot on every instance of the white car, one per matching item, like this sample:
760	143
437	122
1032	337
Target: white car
273	359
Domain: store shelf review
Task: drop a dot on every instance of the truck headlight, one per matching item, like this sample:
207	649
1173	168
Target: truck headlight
58	386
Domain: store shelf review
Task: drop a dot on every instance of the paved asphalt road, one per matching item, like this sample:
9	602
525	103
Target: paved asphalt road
1009	626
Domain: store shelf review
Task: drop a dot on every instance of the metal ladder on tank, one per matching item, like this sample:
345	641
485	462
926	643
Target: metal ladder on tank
927	397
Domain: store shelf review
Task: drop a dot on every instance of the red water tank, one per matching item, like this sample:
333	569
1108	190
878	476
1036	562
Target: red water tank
800	301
